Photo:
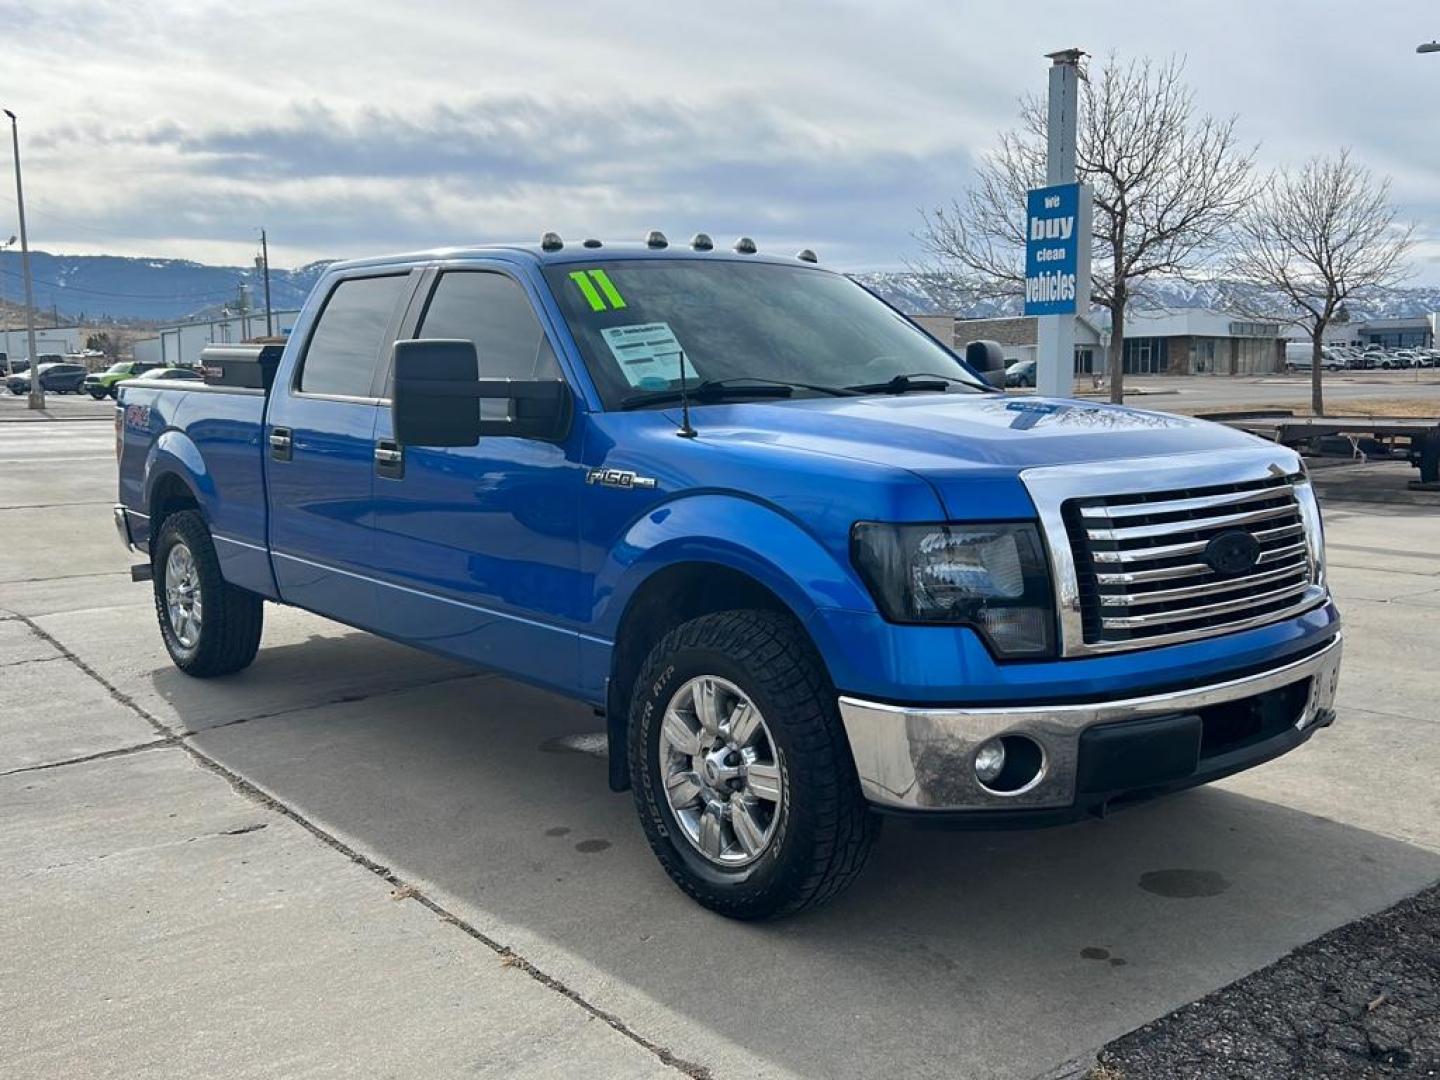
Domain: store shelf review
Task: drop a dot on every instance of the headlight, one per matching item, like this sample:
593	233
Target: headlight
992	577
1314	530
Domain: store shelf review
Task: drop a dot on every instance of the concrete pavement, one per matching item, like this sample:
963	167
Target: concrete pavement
208	889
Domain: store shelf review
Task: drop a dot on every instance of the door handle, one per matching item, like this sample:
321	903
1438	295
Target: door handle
389	459
281	444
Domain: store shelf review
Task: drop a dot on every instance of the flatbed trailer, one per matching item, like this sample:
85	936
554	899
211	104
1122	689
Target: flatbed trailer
1419	436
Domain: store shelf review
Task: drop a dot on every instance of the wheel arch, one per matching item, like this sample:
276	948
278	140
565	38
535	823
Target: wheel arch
697	555
673	594
170	493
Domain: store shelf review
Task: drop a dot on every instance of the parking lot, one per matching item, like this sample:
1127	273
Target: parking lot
356	859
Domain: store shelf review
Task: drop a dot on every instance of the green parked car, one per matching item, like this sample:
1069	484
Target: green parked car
102	384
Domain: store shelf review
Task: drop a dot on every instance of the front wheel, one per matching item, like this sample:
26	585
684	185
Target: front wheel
743	775
210	627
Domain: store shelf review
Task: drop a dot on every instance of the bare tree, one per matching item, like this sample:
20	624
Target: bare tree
1311	239
1167	183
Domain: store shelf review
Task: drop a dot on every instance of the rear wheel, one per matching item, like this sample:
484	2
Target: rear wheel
743	775
210	627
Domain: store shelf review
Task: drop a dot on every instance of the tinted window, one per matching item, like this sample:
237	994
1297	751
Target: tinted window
346	343
493	311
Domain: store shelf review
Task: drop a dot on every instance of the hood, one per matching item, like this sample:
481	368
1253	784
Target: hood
958	440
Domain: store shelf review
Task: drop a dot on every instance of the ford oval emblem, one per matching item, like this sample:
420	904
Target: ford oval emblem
1233	552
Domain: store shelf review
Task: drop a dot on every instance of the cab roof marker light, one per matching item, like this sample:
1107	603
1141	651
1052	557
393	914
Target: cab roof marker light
656	239
590	242
806	255
702	242
551	242
745	246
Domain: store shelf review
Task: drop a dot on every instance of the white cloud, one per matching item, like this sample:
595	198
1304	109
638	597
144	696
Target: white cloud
178	127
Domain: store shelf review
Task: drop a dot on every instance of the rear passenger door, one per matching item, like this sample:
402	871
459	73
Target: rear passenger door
320	450
476	547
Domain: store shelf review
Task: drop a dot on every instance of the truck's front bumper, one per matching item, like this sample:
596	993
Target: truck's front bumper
922	759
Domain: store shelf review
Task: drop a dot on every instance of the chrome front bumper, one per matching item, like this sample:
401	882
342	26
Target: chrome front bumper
917	758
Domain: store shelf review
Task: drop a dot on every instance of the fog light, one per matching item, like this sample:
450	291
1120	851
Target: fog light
990	761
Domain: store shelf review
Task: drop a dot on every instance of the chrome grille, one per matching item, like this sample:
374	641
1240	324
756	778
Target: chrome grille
1140	566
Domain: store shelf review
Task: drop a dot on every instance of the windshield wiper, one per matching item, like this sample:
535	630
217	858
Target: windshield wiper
738	386
903	384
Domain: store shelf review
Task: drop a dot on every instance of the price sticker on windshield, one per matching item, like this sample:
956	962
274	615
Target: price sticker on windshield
648	354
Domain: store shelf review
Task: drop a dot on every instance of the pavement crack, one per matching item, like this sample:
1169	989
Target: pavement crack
103	755
258	795
31	660
114	691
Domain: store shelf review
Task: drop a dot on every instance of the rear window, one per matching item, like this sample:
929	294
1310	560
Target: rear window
344	349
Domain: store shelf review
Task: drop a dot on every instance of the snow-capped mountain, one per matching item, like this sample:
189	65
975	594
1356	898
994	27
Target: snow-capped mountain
101	287
925	293
111	287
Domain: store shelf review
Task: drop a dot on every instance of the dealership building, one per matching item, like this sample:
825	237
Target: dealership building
1180	341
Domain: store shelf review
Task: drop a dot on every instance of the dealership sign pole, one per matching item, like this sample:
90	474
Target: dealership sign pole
1057	237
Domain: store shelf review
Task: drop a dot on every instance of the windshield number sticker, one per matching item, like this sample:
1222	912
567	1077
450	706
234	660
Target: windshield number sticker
597	288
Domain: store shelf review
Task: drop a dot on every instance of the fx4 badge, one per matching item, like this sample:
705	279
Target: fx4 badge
618	478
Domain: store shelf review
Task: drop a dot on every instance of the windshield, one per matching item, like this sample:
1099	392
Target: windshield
737	321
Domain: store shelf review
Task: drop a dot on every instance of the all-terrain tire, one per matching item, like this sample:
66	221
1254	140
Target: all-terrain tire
231	617
827	830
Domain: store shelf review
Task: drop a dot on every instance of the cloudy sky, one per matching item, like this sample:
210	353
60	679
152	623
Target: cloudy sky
178	127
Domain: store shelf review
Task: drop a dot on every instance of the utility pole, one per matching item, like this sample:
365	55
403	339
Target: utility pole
265	265
37	392
1055	355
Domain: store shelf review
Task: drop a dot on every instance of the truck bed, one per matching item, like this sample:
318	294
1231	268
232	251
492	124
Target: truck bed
216	434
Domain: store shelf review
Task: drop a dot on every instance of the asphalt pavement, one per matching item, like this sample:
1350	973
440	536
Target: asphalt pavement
354	859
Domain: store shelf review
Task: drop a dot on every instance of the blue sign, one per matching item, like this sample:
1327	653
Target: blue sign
1056	242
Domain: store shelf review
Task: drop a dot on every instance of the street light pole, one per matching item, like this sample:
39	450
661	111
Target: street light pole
37	392
5	315
265	255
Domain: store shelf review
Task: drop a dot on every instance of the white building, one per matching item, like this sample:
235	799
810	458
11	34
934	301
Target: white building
182	344
51	339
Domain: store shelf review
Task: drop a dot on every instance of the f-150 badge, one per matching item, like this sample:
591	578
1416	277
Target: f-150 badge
618	478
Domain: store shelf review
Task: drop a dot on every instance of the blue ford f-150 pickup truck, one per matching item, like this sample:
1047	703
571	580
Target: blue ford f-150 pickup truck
810	565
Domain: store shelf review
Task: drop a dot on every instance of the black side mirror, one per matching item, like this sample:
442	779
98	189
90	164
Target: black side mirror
438	392
987	360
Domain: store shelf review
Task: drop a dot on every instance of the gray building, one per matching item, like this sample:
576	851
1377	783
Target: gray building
1018	337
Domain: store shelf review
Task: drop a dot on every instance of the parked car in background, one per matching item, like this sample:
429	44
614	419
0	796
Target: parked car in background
1300	356
55	378
1020	373
171	374
16	366
102	383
